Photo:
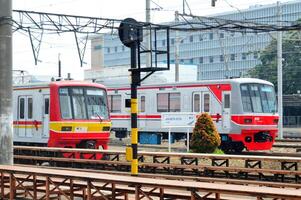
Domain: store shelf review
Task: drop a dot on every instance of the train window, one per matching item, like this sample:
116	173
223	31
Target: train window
114	103
246	100
255	97
196	103
65	104
46	106
29	108
206	102
227	101
162	102
78	101
258	98
175	105
96	104
21	108
169	102
142	104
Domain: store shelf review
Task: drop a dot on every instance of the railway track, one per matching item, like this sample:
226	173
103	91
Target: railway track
247	167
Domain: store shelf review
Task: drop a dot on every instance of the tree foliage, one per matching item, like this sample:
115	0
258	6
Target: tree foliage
205	138
267	70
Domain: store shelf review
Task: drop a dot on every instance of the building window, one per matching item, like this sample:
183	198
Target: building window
211	36
243	56
255	55
232	33
232	57
97	47
116	49
114	103
108	50
201	60
191	61
182	41
169	102
221	35
163	42
221	58
172	61
200	38
191	38
172	41
182	61
211	59
122	48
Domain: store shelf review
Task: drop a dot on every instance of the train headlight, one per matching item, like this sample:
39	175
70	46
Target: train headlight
248	121
248	139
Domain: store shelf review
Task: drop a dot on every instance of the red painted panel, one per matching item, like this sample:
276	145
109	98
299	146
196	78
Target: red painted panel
256	119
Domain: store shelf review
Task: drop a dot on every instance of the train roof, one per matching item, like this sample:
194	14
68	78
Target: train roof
58	84
205	82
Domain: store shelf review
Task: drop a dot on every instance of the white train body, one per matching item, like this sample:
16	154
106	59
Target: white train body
244	109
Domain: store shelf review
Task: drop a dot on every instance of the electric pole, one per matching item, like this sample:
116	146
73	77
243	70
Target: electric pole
148	34
279	74
177	41
59	66
6	114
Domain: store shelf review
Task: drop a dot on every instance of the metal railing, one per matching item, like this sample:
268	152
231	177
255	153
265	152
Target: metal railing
292	121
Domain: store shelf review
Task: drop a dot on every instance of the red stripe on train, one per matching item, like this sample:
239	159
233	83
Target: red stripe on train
27	122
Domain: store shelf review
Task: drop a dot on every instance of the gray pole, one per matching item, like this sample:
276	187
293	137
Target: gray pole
6	114
148	34
279	74
177	41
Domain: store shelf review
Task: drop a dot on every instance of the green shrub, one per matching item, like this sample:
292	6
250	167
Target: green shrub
205	138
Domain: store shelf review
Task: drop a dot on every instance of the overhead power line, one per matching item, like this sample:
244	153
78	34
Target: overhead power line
38	23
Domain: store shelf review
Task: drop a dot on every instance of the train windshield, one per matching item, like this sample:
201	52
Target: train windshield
258	98
83	103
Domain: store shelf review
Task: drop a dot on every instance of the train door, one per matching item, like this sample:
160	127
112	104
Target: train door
46	116
25	116
226	113
201	102
141	111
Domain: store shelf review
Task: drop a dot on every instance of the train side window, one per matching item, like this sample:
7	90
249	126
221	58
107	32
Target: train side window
169	102
142	104
174	102
114	103
196	103
206	102
21	108
227	101
46	106
29	107
162	102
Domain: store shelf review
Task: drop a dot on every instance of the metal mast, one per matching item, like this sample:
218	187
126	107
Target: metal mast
279	74
6	114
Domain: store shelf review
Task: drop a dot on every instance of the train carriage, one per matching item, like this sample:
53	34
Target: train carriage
244	109
61	114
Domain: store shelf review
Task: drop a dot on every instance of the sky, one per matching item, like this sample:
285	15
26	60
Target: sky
64	44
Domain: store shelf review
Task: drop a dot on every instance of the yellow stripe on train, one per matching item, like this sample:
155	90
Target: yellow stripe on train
80	126
27	126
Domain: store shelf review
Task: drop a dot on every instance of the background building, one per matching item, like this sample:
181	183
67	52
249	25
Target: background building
218	54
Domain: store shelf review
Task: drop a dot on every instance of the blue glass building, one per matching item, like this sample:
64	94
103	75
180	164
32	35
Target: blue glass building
218	54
